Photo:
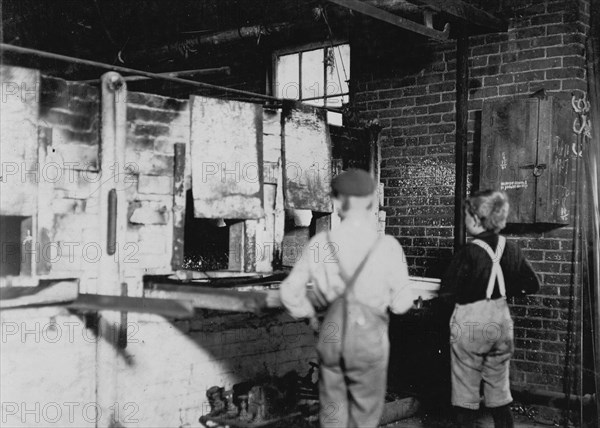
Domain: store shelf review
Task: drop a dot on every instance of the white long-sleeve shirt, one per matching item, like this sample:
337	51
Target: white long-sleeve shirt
382	283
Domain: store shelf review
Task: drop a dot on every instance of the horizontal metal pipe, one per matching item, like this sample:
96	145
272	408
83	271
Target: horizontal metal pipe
201	71
551	398
182	48
51	55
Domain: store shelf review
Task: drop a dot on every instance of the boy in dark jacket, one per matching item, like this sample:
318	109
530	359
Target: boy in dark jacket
479	279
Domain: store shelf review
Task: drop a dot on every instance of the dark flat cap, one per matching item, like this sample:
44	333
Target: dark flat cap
354	182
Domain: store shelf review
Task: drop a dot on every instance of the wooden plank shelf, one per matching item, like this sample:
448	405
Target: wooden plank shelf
210	297
60	292
166	307
66	293
253	295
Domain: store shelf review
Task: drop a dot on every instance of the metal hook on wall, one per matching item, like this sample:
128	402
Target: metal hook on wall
581	124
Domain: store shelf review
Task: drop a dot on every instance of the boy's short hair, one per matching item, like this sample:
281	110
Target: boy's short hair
348	203
491	207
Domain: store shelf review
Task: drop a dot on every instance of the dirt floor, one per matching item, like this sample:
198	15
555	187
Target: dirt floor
484	422
442	417
524	417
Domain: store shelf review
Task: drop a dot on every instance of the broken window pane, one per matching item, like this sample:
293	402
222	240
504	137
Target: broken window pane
338	69
319	73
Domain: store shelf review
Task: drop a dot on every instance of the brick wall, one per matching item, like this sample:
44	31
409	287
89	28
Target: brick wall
413	97
172	364
154	125
49	364
18	130
69	139
49	360
69	122
72	110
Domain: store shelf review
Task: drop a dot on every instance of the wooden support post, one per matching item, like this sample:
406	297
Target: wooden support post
279	226
113	223
462	114
250	245
236	246
265	229
45	217
179	199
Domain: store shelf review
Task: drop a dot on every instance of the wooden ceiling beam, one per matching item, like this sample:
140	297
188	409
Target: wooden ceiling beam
382	15
466	13
396	6
191	46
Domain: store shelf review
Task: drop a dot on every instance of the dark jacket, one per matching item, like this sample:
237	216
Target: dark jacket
466	279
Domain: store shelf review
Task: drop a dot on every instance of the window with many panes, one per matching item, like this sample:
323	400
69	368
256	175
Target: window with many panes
315	75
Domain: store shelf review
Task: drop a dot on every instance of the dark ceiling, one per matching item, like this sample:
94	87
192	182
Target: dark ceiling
101	28
124	31
166	35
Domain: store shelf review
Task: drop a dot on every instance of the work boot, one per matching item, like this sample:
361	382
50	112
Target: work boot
502	417
466	418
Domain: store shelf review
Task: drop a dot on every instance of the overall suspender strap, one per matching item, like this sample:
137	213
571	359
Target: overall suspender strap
349	282
496	269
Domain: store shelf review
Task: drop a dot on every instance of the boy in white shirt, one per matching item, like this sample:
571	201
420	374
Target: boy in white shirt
358	276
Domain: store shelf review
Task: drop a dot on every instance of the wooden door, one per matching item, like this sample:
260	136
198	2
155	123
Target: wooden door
526	151
508	149
553	197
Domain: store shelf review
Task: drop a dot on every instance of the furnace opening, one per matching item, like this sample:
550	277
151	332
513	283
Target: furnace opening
16	241
206	241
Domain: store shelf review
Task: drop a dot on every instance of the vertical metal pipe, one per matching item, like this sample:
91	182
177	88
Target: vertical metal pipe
592	161
111	239
462	114
179	201
113	218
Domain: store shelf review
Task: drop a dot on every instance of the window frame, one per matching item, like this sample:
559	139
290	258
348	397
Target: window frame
299	49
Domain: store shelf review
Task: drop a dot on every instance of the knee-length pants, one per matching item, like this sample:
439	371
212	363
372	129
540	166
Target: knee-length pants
481	341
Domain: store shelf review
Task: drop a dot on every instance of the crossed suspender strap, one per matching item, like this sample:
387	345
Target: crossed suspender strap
496	269
349	281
